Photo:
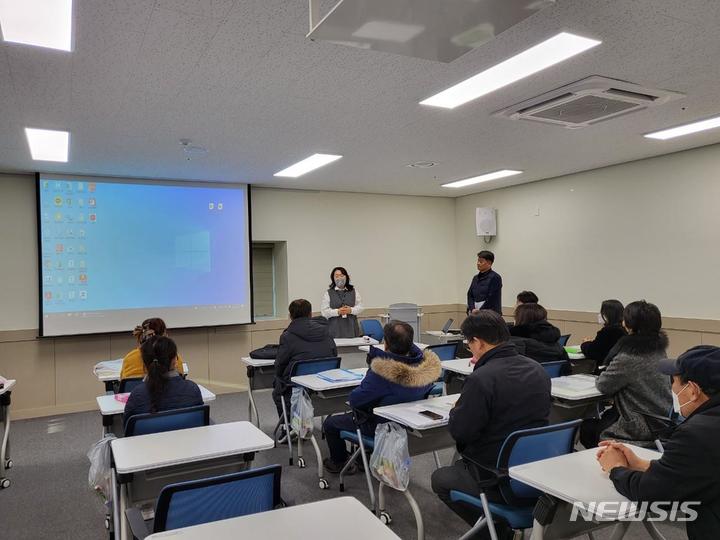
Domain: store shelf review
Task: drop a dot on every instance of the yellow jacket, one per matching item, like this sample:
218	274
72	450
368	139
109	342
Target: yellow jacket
133	365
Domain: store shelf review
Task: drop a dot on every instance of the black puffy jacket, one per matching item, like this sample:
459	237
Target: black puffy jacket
303	339
540	340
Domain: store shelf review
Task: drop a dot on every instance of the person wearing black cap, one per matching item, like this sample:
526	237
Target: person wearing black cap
689	468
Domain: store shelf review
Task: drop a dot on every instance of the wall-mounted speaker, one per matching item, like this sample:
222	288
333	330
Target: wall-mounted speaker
485	222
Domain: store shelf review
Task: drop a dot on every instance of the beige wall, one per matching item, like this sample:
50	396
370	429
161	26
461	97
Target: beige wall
647	229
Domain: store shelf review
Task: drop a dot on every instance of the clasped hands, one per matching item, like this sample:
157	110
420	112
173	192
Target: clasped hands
613	454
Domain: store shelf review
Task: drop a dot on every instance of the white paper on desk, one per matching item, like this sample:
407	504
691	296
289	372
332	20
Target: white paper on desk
479	305
577	382
108	365
339	375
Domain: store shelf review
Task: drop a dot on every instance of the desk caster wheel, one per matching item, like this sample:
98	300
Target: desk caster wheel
323	484
107	523
301	463
385	518
4	483
8	463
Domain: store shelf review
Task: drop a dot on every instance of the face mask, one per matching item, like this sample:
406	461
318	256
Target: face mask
676	400
340	283
600	319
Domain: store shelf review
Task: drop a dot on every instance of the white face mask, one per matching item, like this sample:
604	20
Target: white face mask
340	283
676	400
600	319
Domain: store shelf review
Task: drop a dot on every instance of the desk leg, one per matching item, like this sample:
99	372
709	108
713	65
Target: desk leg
652	530
538	531
115	503
318	456
418	515
252	407
5	462
122	526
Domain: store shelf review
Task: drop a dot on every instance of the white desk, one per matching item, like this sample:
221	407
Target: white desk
461	366
343	517
575	478
5	461
366	348
355	342
260	374
109	406
171	452
575	387
318	384
108	371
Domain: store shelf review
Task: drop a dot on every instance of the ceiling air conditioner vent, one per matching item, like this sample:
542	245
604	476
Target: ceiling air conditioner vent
587	102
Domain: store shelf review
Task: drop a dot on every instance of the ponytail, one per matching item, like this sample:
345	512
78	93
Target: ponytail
158	354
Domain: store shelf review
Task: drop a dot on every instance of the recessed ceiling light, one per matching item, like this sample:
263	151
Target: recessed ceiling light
482	178
541	56
306	165
422	164
687	129
44	23
48	145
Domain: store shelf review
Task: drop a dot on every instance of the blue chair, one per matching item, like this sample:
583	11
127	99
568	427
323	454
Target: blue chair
189	417
298	368
127	385
445	351
556	369
372	328
211	499
362	444
523	446
564	340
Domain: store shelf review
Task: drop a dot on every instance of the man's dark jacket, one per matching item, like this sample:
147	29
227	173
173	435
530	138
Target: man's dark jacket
303	339
689	470
504	393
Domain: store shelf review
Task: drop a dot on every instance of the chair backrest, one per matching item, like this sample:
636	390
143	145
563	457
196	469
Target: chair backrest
555	369
127	385
311	367
528	445
445	351
189	417
220	497
372	328
564	340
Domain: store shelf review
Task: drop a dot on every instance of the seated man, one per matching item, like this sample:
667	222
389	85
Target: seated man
305	338
504	393
400	373
688	470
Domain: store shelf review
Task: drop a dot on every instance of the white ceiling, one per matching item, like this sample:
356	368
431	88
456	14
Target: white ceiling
239	78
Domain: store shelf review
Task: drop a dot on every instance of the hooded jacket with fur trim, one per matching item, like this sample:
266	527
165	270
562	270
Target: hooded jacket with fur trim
394	378
633	381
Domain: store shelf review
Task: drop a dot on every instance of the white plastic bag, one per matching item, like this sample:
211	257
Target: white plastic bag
390	462
301	413
100	456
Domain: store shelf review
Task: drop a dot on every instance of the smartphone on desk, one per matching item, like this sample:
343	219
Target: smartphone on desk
432	415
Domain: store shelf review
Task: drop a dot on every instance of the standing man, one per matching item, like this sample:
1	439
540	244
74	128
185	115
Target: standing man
485	290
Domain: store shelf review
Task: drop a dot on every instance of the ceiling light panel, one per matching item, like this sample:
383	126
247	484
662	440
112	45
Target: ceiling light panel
43	23
306	165
482	178
687	129
542	56
48	145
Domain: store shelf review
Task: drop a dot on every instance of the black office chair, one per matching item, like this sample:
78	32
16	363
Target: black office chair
127	385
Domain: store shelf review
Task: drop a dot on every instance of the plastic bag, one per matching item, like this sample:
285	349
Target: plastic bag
100	456
390	462
301	413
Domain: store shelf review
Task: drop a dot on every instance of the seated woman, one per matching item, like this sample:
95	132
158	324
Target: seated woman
536	335
633	381
611	312
163	388
132	365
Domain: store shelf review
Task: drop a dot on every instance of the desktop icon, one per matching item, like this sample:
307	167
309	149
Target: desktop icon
81	264
83	278
68	201
59	248
83	296
91	187
58	201
81	218
220	206
81	202
93	218
71	263
58	216
91	201
48	295
81	186
211	206
46	185
71	295
71	279
81	233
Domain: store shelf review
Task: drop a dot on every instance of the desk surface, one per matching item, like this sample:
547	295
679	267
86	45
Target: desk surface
355	341
574	387
158	450
408	414
576	477
109	370
257	362
9	383
441	334
459	365
342	517
366	348
317	384
108	405
574	352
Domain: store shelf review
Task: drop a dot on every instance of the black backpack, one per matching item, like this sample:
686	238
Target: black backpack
268	352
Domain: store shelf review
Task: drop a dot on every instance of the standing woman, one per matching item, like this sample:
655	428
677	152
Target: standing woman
341	304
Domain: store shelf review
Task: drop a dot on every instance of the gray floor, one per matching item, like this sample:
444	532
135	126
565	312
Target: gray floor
50	498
